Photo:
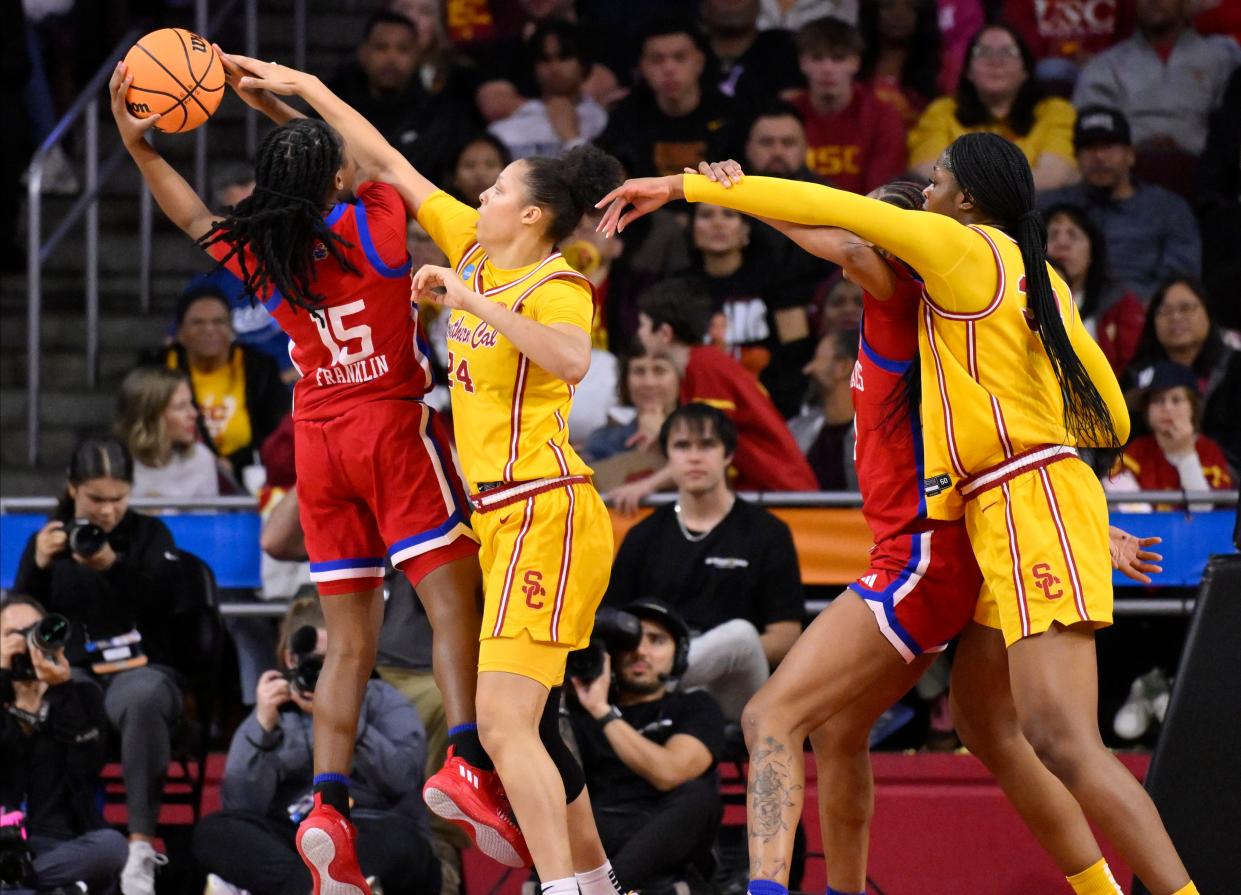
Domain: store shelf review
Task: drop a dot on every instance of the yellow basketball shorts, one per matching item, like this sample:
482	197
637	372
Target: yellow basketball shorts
1041	539
546	554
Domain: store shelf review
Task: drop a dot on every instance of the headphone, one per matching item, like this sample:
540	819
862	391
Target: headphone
661	613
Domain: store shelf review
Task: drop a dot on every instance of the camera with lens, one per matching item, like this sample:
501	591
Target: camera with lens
304	675
16	862
48	635
85	537
615	632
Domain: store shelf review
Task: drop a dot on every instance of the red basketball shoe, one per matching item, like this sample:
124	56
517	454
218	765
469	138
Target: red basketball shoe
474	800
325	840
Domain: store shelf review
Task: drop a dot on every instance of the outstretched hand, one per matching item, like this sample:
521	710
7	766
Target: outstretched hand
254	76
645	194
1130	556
254	97
133	129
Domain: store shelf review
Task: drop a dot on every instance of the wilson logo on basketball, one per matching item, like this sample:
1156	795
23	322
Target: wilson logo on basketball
534	588
1044	580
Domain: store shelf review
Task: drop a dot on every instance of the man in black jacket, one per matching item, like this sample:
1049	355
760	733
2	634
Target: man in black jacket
52	736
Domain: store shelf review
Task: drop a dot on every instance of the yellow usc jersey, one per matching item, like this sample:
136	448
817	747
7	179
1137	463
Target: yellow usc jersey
988	388
510	416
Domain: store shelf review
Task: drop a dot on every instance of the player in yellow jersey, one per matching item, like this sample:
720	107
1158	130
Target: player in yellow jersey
1011	386
519	341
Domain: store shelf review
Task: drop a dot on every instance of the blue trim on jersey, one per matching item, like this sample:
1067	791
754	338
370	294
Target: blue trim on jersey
453	521
274	302
338	564
445	463
915	426
364	234
334	215
884	597
883	363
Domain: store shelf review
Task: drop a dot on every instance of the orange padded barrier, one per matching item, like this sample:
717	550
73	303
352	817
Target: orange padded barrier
832	543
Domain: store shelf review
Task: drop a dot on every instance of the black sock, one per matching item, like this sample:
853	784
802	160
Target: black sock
464	740
333	789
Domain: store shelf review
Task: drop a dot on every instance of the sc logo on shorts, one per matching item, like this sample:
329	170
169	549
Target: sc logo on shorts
534	588
1044	580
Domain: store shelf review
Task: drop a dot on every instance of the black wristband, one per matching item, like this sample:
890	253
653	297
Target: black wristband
614	714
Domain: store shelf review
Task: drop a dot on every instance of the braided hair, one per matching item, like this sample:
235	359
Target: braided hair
281	223
994	175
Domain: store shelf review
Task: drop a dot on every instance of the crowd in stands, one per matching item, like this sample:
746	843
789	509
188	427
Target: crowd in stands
723	362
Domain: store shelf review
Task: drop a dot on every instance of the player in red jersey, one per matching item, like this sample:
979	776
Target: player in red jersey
373	476
921	589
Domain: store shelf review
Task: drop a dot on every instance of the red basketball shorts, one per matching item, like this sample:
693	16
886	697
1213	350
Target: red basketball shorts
379	480
922	588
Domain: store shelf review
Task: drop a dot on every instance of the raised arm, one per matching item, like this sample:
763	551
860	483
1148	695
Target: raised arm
857	258
172	194
935	245
375	157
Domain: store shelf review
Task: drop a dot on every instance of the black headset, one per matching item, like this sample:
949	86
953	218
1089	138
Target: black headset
656	611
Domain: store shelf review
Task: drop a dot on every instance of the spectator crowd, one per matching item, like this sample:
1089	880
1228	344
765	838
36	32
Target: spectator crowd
723	361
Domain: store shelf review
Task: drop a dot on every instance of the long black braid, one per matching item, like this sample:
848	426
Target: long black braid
994	175
281	224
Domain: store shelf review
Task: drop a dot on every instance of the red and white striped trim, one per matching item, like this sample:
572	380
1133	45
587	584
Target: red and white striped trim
1000	284
1014	553
519	399
566	557
494	498
1026	461
957	466
1000	428
1065	547
461	265
496	290
512	567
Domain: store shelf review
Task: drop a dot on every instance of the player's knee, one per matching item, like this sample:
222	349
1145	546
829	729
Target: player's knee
1058	747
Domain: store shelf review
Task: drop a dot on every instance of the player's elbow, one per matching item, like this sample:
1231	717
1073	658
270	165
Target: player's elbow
575	367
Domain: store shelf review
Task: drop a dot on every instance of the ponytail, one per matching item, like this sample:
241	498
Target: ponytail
994	174
567	187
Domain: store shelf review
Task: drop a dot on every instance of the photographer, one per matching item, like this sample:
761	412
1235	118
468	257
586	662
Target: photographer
52	733
112	573
650	756
267	782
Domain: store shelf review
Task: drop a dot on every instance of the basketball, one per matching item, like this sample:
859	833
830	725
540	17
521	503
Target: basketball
176	75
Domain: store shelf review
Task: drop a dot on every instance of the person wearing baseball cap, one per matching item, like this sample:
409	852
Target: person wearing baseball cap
1175	456
649	755
1151	232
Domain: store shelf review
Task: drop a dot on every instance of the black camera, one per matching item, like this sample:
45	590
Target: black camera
48	634
304	676
16	865
85	537
615	632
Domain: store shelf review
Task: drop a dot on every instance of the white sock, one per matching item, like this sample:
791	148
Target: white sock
567	886
600	881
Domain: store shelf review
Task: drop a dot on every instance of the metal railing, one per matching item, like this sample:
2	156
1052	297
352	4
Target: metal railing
85	109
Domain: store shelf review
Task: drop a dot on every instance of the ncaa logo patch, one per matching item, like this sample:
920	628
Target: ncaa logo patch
469	271
319	251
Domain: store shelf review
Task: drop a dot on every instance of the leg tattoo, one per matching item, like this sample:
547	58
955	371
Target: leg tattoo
773	810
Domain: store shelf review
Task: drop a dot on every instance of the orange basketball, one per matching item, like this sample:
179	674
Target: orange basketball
177	75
